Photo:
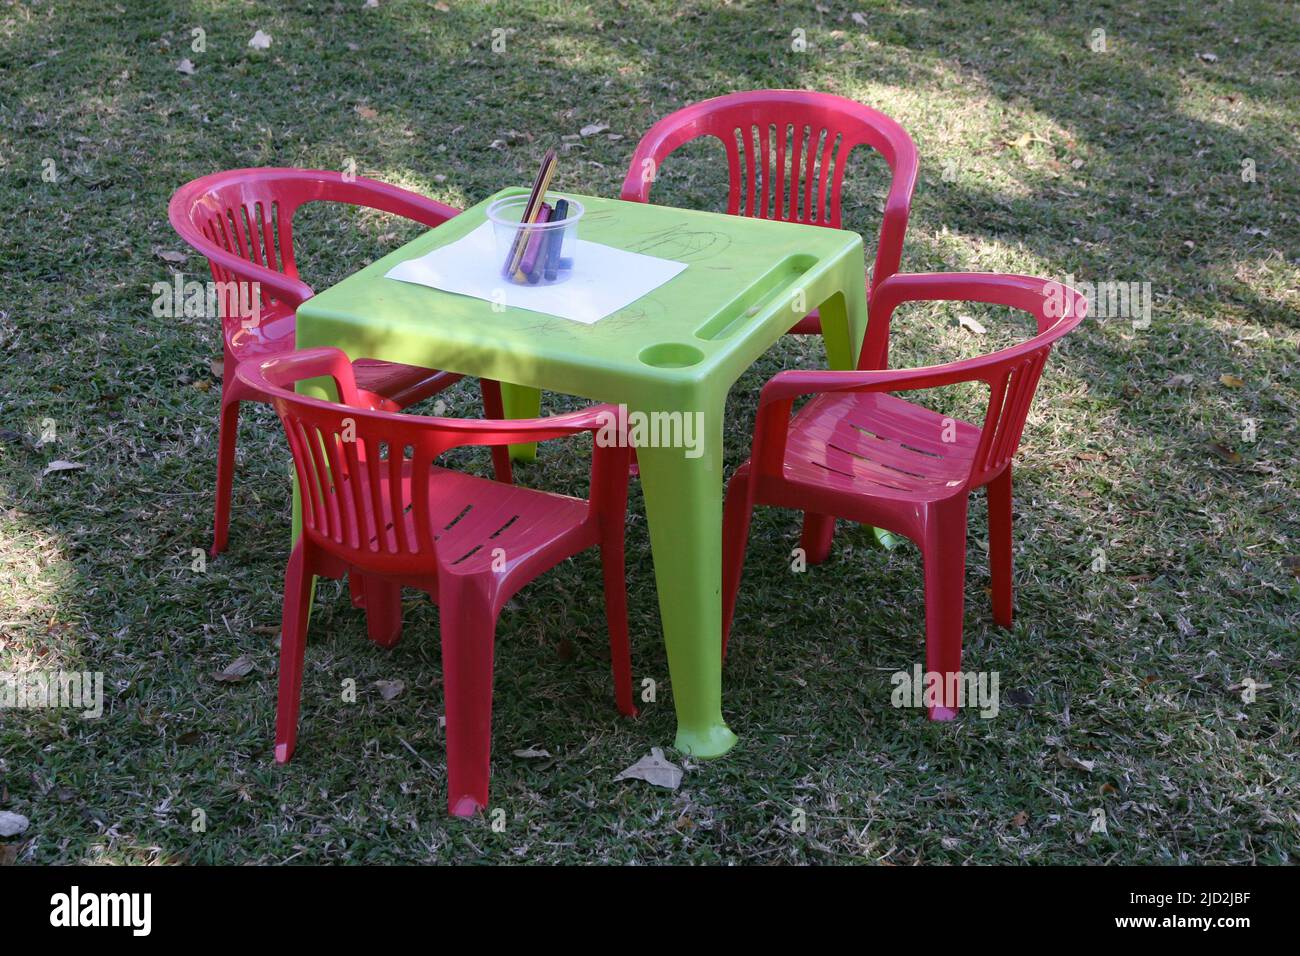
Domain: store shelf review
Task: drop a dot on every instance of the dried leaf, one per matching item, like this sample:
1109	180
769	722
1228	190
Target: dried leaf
12	824
1074	763
1179	381
235	671
1292	564
530	752
654	769
1020	819
260	40
1024	139
593	128
1231	381
1224	453
968	323
366	112
185	66
62	465
442	8
8	854
168	256
388	689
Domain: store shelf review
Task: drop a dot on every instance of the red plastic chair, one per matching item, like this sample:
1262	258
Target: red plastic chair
855	452
787	151
242	221
374	503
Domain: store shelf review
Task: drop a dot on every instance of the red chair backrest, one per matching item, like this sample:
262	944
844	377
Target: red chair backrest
344	453
248	214
1012	374
787	151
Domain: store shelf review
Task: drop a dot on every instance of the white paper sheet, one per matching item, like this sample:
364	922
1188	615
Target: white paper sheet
604	279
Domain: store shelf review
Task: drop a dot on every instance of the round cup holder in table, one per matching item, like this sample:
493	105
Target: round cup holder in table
671	355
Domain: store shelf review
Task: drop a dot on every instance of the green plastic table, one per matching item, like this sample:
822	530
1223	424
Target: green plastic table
677	349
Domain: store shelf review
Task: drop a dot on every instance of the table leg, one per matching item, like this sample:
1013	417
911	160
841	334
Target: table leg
521	401
683	500
841	338
819	529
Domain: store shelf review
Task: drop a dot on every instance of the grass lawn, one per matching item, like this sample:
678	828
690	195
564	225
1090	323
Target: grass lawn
1156	491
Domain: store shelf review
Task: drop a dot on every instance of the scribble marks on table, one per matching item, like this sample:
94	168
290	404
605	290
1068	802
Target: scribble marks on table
683	244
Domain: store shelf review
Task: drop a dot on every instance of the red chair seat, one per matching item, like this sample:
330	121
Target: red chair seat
394	383
471	518
872	443
273	333
400	385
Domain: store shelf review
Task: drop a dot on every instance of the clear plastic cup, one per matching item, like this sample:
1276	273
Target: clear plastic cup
542	253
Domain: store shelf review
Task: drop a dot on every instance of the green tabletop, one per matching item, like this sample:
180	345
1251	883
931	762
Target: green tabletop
677	349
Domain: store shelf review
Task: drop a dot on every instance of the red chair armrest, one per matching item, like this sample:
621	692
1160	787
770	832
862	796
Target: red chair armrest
284	371
389	198
1053	305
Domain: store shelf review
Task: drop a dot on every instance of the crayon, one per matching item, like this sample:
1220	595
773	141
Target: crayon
556	240
532	259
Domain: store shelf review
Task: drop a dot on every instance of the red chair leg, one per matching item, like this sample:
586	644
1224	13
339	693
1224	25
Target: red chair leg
383	610
227	433
735	536
468	632
293	646
944	550
501	464
493	407
999	494
357	589
620	654
818	532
